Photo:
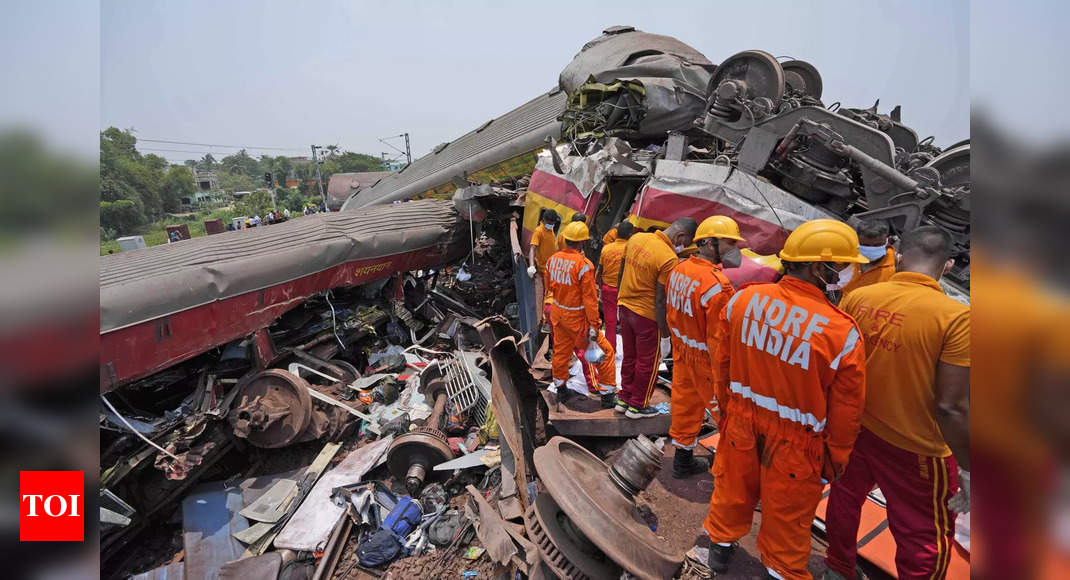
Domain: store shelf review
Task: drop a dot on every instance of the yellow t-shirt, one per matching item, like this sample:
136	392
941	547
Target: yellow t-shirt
880	272
545	246
909	325
610	262
648	261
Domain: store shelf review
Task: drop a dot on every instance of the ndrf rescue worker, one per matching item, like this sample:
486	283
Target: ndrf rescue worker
916	421
574	317
644	272
697	292
608	274
791	385
873	244
542	246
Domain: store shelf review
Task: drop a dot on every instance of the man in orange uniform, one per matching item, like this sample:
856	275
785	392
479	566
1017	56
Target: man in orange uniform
608	272
542	246
791	385
574	316
697	292
874	247
916	422
648	260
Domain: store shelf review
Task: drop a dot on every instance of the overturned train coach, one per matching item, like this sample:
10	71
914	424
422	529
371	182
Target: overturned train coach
644	127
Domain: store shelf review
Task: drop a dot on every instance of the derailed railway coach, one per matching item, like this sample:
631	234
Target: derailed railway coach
648	129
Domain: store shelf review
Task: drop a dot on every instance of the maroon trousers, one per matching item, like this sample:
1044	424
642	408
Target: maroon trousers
609	313
916	488
642	354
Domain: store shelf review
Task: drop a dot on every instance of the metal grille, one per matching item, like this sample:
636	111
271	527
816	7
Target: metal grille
464	387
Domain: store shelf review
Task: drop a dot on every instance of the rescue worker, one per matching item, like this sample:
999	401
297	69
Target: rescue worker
607	274
576	217
644	272
876	248
791	384
697	292
542	246
574	317
915	426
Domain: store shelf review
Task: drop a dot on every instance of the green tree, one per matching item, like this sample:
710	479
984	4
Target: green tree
178	183
207	162
256	203
240	163
231	182
350	162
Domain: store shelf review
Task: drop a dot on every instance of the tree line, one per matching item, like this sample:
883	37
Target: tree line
139	189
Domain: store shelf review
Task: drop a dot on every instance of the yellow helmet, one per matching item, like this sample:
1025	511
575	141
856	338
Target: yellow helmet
822	241
718	226
578	232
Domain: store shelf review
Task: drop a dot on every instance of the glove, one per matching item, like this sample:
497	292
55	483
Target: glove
666	348
531	271
960	502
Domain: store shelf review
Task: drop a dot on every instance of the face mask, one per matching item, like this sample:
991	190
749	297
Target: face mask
549	227
872	253
732	258
679	249
833	291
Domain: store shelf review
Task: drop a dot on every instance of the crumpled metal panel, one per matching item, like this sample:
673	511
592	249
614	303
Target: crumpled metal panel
674	75
149	283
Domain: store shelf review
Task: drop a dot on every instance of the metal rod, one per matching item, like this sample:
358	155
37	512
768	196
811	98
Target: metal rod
146	439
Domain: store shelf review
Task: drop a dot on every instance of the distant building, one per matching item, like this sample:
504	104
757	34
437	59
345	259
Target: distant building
206	180
343	185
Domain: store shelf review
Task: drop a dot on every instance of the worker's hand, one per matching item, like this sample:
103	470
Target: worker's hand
531	272
960	502
592	333
666	348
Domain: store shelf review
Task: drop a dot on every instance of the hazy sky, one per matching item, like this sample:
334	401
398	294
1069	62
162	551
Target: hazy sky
288	74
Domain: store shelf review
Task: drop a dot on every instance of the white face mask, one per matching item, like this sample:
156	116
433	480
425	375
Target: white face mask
679	249
842	277
549	226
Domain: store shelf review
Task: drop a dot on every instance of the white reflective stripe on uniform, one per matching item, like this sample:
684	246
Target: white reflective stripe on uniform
559	305
691	342
583	270
676	443
774	574
771	404
852	340
728	307
709	294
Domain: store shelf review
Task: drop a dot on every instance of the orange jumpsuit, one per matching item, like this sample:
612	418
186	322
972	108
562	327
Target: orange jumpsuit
695	295
791	384
573	311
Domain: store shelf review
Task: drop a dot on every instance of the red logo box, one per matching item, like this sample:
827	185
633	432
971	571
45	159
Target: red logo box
51	506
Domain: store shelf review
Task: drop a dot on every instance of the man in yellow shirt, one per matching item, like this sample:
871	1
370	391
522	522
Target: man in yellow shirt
873	244
915	435
644	272
608	272
542	246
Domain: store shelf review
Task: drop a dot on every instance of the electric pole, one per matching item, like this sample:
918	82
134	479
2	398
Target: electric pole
407	151
319	179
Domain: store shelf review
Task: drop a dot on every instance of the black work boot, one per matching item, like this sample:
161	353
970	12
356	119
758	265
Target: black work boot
719	557
564	394
609	400
684	464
